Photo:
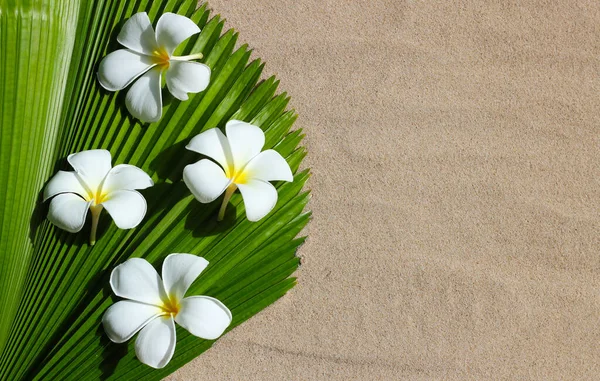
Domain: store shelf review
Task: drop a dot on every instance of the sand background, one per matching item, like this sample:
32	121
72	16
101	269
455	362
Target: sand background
455	156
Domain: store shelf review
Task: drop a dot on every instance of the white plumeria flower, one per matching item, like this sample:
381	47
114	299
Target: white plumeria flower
95	185
151	53
153	306
243	164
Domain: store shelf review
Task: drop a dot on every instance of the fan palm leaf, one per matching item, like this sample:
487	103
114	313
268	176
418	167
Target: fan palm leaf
54	284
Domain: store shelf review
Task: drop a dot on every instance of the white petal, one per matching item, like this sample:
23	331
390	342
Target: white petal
92	166
245	139
269	165
179	271
144	98
68	212
64	182
137	280
118	69
206	180
137	34
259	197
126	207
155	344
124	318
172	30
125	176
213	144
203	316
184	77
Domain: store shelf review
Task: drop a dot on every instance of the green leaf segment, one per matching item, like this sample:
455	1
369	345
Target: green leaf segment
54	285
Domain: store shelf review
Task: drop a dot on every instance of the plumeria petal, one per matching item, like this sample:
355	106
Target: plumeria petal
186	77
246	141
155	344
144	98
173	29
92	166
137	280
213	144
68	212
64	182
125	176
259	197
137	34
121	67
179	271
206	180
123	319
269	165
204	317
126	207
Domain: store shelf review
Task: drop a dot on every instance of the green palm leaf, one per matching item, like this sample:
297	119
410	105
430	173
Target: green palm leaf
55	286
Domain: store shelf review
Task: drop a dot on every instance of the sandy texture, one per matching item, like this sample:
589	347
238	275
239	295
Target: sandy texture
455	153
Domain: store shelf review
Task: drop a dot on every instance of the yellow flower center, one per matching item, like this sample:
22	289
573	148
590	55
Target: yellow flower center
98	198
171	306
238	177
161	57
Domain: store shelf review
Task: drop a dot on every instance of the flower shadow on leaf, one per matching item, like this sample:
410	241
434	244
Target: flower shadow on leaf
202	218
112	353
169	163
39	214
